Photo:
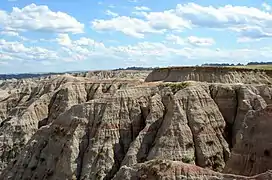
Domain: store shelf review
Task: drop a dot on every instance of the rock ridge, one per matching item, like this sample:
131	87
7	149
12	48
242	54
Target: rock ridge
211	75
81	128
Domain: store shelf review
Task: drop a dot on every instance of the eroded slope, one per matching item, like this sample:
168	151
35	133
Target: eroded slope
104	130
33	104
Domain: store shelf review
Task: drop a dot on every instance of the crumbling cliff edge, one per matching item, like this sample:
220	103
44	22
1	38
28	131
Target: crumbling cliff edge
211	74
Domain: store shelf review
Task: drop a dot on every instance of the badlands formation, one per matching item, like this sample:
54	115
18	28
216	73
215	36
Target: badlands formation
169	124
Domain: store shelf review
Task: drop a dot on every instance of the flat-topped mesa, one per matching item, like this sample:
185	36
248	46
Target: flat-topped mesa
115	74
211	75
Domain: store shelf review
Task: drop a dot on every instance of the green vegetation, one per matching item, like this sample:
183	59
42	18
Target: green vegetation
175	86
188	160
261	67
219	68
162	69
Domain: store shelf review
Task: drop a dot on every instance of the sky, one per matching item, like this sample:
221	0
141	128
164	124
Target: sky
68	35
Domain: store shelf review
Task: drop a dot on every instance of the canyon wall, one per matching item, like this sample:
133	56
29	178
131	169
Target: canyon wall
67	127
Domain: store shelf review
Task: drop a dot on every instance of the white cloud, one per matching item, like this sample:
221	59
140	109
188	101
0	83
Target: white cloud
18	51
234	18
200	41
39	18
9	33
129	26
191	40
13	34
140	54
110	13
191	15
4	57
83	41
166	21
156	22
252	33
64	40
175	39
248	23
142	8
80	49
159	54
266	6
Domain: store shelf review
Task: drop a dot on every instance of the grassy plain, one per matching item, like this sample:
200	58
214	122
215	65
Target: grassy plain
264	67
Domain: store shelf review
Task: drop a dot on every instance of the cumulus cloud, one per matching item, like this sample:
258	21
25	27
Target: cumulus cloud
156	53
166	21
129	26
160	54
13	34
234	18
138	54
64	40
9	33
185	16
200	41
266	6
39	18
248	23
191	40
17	51
80	49
252	33
175	39
156	22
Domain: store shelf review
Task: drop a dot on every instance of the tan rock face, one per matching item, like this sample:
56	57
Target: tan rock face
29	107
165	169
70	127
252	153
211	75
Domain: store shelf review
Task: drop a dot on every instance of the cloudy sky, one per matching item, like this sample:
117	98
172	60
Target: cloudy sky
64	35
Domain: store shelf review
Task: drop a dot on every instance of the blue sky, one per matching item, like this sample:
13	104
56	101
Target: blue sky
65	35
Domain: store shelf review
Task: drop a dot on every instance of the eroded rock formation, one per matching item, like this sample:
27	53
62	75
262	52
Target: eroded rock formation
67	127
211	74
252	153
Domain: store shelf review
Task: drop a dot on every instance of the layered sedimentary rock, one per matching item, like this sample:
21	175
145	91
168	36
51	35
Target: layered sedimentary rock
115	74
66	127
32	105
136	124
166	169
252	153
211	74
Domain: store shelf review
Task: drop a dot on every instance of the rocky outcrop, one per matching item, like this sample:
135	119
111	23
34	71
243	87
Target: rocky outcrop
235	101
107	125
252	153
115	74
35	104
107	129
21	111
165	169
211	75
